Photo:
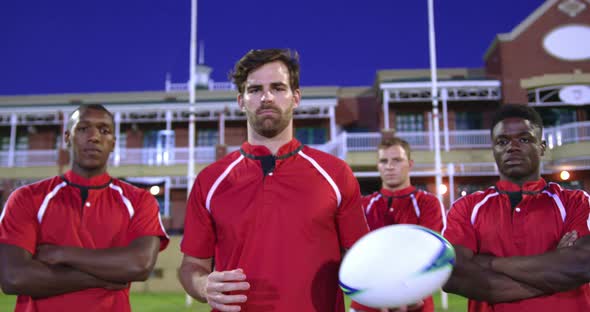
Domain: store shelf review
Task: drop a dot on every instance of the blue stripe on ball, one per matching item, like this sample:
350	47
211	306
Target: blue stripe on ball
446	255
348	290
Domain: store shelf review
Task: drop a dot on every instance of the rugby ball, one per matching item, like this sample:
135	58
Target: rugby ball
396	265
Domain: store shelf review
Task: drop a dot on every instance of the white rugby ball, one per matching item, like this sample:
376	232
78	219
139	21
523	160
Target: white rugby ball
396	265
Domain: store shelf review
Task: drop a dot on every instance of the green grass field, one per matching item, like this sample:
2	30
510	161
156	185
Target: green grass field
157	302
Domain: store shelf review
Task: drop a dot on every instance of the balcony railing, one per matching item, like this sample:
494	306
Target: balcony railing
211	85
29	158
568	133
422	140
340	147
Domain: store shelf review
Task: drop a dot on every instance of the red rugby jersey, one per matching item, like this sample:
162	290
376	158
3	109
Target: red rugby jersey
286	229
52	212
406	206
486	223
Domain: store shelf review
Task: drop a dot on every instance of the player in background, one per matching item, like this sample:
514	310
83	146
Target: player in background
399	202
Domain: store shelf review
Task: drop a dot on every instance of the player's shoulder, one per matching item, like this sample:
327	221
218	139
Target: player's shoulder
425	195
127	189
42	186
37	191
371	197
566	194
475	198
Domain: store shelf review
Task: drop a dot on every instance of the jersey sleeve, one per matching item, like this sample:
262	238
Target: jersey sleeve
18	221
147	221
459	230
350	216
432	213
578	216
199	234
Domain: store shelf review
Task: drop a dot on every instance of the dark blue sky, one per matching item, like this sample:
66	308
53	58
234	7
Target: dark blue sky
67	46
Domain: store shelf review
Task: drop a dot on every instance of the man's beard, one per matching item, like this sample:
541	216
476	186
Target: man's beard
270	126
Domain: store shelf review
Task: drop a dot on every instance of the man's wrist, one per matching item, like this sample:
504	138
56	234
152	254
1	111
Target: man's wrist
61	255
496	264
202	287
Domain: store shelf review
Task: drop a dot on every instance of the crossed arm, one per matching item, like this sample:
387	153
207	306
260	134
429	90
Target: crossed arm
505	279
56	270
560	270
473	279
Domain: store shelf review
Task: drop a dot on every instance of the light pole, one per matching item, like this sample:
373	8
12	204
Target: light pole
190	168
190	174
435	117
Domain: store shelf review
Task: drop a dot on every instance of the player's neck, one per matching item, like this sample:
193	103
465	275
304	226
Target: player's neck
520	181
274	143
86	173
396	187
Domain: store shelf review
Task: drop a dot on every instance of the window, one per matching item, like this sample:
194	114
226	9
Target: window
4	143
22	143
409	122
557	116
122	140
311	135
150	139
468	120
158	147
207	137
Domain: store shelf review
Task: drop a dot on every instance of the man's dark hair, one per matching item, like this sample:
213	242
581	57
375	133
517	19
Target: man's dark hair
84	107
517	111
254	59
395	141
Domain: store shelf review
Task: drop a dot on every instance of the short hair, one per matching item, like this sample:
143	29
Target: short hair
84	107
254	59
396	141
517	111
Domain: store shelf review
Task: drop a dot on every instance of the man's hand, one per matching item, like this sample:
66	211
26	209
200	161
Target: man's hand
50	254
219	283
568	239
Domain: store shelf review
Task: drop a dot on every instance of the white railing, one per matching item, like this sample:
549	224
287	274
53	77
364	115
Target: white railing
568	133
340	147
222	85
177	86
162	157
422	140
212	85
469	139
336	147
30	158
427	170
361	142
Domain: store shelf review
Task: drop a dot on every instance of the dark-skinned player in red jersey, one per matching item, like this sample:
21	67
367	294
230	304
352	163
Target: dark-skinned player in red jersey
522	245
75	242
